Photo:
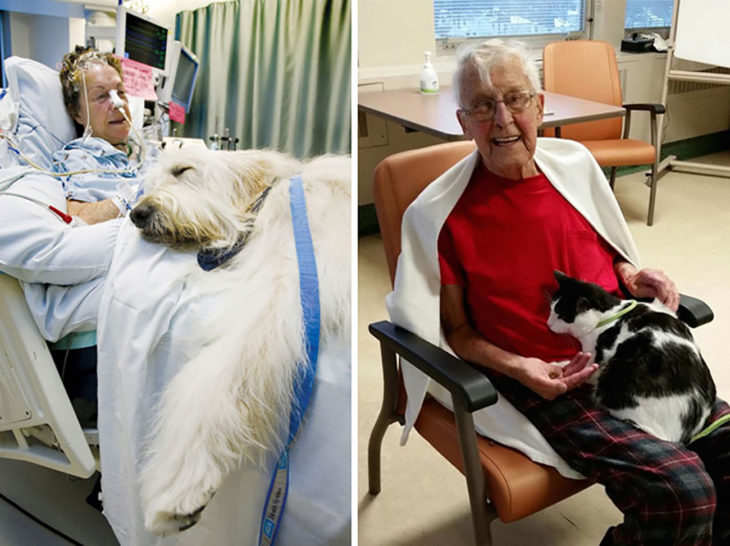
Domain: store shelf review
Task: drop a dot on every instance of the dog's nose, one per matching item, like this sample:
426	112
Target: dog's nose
141	214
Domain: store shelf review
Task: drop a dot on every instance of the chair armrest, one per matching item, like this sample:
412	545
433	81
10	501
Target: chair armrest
693	311
465	383
656	108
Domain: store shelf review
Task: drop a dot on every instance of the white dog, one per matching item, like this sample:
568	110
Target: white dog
231	400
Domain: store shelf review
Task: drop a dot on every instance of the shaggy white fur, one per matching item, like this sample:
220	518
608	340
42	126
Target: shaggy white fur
231	400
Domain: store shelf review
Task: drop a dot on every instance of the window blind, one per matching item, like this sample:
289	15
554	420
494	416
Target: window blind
495	18
648	13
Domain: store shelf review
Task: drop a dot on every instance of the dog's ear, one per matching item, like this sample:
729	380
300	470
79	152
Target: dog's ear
267	164
258	168
254	170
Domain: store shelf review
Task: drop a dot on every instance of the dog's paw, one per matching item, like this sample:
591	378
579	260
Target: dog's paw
164	521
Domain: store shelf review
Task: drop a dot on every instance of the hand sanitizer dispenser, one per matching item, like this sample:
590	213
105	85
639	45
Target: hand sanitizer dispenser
429	78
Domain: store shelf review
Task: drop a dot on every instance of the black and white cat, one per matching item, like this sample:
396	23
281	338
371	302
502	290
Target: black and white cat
650	370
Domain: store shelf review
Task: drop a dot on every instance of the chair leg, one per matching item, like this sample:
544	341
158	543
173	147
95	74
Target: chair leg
481	514
652	195
654	169
386	417
612	180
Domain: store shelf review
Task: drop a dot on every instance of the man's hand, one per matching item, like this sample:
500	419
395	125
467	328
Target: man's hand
648	283
550	380
93	213
546	379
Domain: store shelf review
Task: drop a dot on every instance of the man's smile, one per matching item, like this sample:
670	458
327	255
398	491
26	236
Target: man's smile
505	141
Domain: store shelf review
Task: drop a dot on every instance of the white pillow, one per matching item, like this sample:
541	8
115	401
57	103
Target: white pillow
43	125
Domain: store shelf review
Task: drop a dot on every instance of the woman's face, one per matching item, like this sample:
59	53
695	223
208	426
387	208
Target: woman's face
106	121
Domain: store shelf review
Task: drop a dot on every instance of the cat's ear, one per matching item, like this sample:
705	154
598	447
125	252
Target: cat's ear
581	305
560	276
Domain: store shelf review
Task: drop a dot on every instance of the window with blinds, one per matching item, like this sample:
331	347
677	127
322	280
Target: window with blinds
496	18
648	13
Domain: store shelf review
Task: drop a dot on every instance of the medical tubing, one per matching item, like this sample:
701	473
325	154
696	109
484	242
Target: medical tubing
65	356
66	218
136	136
87	129
12	146
118	104
116	101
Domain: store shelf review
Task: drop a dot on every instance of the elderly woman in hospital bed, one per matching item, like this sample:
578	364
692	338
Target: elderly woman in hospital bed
50	188
106	277
94	96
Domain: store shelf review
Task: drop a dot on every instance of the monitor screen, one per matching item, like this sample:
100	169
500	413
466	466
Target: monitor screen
185	76
145	42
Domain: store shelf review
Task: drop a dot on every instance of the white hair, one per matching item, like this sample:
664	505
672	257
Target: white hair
486	55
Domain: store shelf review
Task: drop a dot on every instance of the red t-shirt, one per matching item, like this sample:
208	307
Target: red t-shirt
502	242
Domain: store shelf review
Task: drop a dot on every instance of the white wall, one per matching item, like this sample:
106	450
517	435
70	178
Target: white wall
44	38
608	21
20	34
394	32
165	10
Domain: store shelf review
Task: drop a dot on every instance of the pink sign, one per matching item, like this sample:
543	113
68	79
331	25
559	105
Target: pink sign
138	80
177	112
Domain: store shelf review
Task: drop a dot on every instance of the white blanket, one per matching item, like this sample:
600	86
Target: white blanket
146	314
414	303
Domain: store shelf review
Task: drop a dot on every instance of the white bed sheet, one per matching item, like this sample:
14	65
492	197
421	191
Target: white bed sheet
137	322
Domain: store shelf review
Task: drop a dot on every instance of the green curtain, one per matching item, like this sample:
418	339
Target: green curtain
275	72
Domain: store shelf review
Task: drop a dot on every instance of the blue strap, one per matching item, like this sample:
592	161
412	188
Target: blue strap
304	382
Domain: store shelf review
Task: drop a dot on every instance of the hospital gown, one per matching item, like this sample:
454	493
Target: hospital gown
98	155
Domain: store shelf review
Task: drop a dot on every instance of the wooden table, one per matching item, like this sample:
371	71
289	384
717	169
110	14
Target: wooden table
436	114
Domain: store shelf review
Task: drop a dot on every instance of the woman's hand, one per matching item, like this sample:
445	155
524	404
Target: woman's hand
648	283
93	213
550	380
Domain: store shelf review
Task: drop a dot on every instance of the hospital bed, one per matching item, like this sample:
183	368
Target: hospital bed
37	421
132	375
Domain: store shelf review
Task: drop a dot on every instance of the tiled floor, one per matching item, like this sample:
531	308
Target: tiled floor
423	501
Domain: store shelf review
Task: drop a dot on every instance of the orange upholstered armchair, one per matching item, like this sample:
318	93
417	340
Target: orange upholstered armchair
502	483
514	485
587	69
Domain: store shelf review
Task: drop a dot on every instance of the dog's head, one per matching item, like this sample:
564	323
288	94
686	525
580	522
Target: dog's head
200	198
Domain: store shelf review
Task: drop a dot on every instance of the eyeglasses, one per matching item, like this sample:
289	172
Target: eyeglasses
515	102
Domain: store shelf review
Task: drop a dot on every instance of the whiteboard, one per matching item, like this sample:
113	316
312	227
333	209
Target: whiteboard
703	31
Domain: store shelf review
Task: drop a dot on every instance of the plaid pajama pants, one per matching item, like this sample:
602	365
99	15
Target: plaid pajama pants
669	493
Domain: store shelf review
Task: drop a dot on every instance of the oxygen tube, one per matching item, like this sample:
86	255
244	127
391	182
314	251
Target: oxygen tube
119	105
72	221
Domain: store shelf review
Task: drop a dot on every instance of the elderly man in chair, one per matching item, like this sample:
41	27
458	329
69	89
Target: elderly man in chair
480	245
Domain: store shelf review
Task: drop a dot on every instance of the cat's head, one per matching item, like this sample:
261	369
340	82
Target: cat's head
577	306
